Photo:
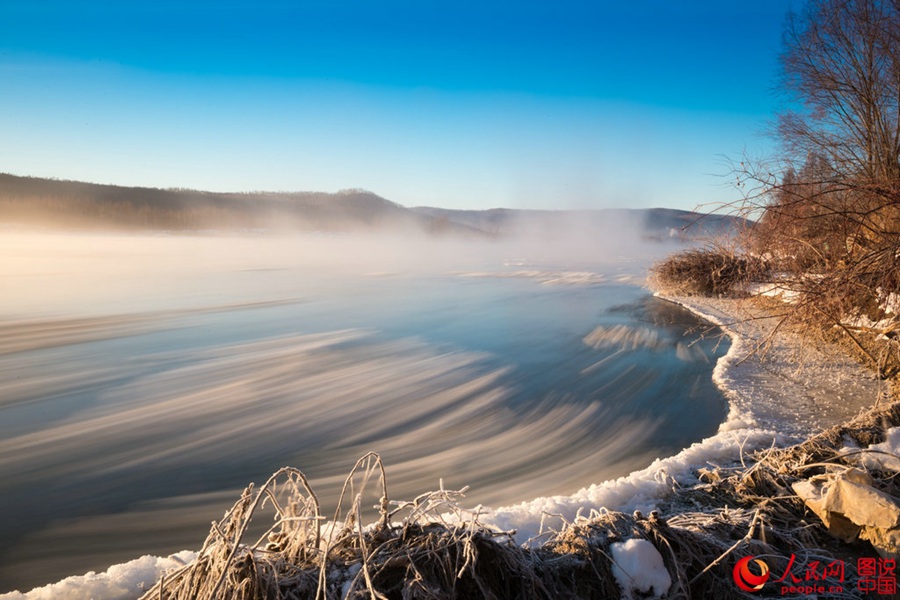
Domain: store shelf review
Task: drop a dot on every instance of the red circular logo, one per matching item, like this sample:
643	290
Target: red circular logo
746	579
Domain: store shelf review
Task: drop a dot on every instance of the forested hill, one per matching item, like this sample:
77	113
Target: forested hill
32	201
70	204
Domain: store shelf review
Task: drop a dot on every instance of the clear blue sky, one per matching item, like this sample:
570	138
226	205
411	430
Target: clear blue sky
460	104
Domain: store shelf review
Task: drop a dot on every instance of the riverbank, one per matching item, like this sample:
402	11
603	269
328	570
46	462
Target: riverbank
785	381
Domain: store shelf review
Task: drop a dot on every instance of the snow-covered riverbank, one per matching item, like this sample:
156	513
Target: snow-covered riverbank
791	384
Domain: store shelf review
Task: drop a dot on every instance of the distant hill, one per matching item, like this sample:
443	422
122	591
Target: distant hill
656	223
72	204
76	205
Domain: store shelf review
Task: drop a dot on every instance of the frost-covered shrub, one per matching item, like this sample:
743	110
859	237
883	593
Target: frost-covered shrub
704	272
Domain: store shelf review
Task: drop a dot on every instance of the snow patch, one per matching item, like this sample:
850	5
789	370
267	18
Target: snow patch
774	290
881	457
889	302
120	582
638	567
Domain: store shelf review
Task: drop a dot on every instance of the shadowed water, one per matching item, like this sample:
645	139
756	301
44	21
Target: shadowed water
142	391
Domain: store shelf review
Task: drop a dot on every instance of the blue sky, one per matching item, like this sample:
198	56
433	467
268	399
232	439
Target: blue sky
458	104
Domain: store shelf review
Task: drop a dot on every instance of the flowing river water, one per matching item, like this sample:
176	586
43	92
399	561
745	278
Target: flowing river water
147	379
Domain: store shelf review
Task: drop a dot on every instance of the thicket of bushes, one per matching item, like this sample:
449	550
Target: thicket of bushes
705	272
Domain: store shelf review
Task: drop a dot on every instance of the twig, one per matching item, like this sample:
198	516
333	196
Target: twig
734	546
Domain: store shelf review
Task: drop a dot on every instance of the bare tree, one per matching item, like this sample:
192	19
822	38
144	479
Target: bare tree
829	206
842	63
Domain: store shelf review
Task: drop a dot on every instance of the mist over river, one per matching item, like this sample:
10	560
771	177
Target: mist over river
147	379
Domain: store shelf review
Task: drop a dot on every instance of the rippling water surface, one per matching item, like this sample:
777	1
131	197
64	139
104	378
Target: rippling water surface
147	380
